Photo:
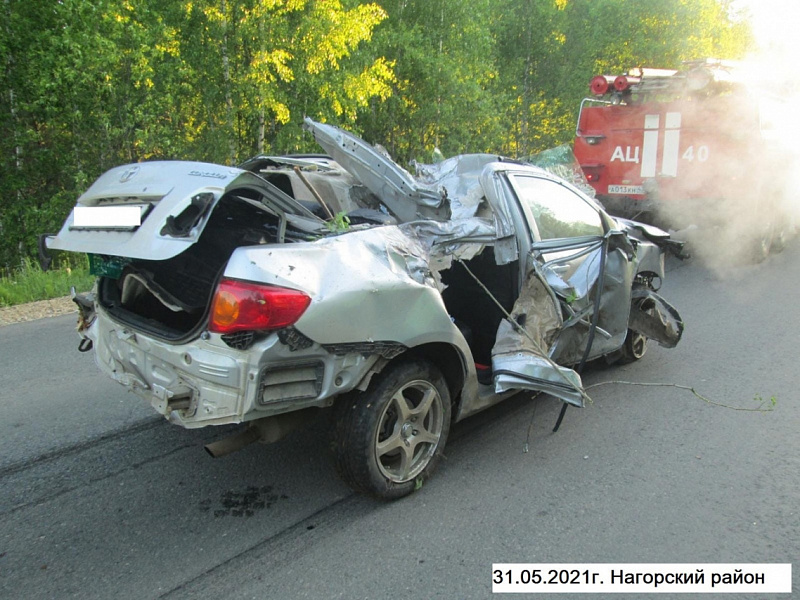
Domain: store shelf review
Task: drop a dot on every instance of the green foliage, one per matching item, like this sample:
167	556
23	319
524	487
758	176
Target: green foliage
445	61
772	402
550	51
339	224
92	85
30	283
85	86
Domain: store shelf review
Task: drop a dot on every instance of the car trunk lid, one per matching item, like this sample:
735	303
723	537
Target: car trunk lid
156	210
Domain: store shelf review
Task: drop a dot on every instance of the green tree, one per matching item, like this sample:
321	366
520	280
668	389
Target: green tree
90	85
265	63
444	58
87	85
551	49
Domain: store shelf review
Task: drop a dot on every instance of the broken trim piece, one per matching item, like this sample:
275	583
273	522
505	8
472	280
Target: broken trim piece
664	324
524	371
387	350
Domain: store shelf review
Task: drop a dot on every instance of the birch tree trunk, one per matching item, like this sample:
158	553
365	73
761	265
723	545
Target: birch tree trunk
226	74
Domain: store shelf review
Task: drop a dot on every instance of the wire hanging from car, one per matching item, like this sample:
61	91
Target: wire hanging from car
592	326
524	332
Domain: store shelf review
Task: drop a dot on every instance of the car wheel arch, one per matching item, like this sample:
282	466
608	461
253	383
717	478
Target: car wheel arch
448	360
446	357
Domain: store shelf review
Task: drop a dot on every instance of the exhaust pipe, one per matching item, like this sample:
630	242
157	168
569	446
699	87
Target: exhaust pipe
266	430
232	443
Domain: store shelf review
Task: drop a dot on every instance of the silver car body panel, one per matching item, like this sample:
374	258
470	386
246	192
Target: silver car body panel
527	371
366	286
400	307
203	383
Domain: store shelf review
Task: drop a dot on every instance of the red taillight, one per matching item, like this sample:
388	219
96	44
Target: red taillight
245	306
592	172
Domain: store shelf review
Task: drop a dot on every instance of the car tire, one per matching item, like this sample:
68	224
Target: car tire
635	345
633	349
389	439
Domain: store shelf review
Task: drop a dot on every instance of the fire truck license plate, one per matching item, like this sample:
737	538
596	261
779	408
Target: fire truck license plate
626	189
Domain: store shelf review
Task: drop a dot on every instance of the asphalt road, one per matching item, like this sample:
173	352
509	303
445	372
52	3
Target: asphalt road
100	499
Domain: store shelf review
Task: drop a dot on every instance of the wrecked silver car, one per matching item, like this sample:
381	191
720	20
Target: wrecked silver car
262	294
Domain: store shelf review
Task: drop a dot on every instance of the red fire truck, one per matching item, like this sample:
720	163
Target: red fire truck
684	147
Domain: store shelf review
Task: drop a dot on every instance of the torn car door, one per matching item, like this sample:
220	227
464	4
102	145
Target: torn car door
575	276
562	292
521	354
584	273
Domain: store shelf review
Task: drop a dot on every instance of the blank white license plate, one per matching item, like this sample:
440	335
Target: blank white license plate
108	217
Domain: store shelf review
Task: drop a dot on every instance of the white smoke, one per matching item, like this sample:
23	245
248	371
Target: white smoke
775	64
772	73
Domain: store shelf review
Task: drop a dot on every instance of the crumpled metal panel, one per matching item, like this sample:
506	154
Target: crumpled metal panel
519	360
451	240
433	233
652	234
460	176
655	318
371	285
524	371
574	275
576	285
475	190
478	198
408	199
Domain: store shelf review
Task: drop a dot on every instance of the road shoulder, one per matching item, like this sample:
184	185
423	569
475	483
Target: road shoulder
33	311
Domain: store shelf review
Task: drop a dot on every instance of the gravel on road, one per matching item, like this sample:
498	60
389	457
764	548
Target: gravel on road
36	310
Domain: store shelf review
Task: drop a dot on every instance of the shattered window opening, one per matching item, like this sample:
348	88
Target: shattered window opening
557	211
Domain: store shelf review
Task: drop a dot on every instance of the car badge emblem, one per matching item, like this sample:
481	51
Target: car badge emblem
129	174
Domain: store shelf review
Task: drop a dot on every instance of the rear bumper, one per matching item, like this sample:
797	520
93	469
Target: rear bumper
205	382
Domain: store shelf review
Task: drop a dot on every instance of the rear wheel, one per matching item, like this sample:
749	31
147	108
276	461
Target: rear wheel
388	440
634	347
635	344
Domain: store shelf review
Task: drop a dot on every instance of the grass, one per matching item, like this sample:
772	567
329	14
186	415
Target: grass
29	283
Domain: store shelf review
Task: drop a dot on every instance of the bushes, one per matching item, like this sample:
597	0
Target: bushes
30	283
